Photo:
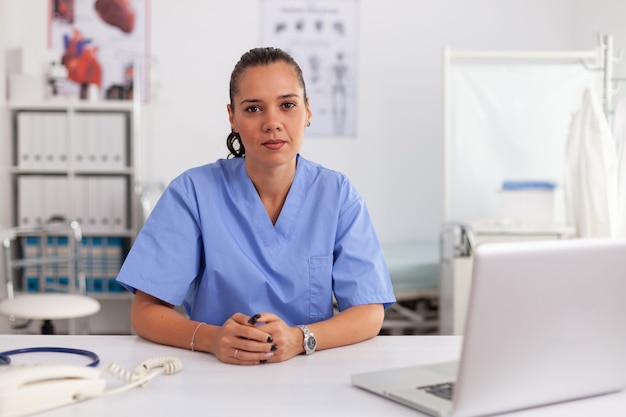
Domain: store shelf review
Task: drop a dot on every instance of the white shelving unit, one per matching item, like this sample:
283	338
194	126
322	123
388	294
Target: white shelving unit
78	160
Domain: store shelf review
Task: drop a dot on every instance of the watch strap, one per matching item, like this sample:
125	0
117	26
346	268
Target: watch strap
309	342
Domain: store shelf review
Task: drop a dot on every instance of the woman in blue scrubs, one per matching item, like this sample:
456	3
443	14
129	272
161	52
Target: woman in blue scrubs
272	255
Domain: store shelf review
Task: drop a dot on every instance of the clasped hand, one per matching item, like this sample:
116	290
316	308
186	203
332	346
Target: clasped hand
257	339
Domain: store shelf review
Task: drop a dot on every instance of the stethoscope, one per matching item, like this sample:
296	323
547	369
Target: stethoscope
6	360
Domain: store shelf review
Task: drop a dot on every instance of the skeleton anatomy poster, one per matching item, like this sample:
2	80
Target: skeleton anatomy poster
321	36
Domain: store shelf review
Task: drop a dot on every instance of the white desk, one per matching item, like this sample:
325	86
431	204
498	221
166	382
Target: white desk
317	385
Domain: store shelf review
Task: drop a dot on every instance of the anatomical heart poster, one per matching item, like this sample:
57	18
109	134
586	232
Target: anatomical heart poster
101	43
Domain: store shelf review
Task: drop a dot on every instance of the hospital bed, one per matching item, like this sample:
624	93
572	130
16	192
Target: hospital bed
458	242
414	270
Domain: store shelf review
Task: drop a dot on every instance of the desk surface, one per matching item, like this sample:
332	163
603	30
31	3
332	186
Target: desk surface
317	385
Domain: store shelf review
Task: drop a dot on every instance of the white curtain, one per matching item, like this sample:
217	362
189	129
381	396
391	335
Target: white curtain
508	122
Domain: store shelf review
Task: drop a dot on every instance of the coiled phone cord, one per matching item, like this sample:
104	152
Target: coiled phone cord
140	376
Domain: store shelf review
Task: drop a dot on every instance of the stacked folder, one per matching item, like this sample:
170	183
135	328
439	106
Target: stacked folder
102	258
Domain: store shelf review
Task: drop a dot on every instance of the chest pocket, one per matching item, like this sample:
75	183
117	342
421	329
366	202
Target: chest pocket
321	286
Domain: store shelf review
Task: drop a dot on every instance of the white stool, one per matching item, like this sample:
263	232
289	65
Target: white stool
48	307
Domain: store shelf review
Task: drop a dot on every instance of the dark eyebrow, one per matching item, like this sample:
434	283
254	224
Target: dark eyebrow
291	95
249	100
256	100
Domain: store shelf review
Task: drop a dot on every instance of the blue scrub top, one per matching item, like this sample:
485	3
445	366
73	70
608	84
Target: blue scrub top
210	245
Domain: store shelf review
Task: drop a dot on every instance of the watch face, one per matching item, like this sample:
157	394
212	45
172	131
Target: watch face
311	343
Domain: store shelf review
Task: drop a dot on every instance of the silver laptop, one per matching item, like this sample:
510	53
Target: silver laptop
545	324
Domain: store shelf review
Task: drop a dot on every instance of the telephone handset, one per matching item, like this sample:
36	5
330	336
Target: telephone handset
28	389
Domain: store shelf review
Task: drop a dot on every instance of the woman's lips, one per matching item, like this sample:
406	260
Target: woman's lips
274	144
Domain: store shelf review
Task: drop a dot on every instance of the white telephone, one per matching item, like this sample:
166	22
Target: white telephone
29	389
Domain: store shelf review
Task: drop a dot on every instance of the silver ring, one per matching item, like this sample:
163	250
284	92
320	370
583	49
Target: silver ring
236	353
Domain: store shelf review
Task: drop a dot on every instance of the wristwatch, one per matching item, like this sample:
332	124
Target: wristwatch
310	343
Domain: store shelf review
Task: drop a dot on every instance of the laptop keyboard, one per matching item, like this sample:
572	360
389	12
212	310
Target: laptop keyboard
445	390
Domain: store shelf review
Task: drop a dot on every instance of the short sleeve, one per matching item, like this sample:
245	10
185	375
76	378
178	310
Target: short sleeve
360	273
166	256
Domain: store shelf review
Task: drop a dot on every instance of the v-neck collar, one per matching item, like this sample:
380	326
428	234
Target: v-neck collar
274	236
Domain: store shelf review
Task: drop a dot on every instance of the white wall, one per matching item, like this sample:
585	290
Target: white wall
4	157
396	159
4	129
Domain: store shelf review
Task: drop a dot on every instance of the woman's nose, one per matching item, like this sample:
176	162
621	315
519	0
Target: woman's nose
270	126
272	121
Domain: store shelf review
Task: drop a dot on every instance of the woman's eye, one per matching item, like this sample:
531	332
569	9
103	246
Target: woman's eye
289	105
252	109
